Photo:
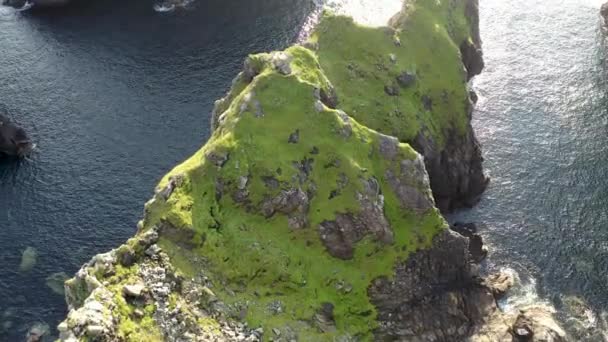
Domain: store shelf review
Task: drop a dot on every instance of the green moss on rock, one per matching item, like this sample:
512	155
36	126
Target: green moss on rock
364	64
271	265
299	201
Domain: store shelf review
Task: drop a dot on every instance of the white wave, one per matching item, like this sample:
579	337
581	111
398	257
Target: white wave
172	5
8	10
523	294
162	8
26	6
5	11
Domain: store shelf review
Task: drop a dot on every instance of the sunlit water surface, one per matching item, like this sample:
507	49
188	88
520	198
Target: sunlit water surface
542	118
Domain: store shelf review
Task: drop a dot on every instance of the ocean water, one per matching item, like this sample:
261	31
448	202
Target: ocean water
115	94
542	118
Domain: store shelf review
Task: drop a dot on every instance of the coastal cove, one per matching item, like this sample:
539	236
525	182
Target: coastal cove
325	166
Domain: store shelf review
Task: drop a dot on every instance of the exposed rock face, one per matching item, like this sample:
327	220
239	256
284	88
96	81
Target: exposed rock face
456	172
604	13
434	295
147	295
477	249
14	142
472	55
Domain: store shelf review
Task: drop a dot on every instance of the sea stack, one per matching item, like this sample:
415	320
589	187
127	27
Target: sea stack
313	213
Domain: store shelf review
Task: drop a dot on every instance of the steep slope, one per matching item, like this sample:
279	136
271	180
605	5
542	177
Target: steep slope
303	218
406	81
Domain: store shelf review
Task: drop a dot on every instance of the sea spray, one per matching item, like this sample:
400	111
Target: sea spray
524	292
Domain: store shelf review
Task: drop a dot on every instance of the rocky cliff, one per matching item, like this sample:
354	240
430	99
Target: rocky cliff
311	214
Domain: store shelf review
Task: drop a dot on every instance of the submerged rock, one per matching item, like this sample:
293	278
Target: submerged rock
56	282
37	332
28	259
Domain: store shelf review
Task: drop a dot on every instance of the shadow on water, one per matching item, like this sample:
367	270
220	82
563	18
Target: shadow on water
12	169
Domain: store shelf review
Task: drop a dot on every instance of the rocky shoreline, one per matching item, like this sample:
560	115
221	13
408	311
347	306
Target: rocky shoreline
313	212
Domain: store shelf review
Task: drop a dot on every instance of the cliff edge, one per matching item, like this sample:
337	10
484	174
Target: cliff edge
311	214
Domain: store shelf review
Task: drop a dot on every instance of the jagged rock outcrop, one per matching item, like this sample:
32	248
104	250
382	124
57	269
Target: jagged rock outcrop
604	14
14	142
307	216
477	250
439	298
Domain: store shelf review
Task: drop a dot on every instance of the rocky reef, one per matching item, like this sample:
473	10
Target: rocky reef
313	211
14	142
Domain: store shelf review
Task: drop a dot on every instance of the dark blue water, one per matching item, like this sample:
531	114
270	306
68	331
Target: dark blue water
115	95
543	121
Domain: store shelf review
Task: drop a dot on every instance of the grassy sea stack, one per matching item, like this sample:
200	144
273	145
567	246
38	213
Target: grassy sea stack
309	215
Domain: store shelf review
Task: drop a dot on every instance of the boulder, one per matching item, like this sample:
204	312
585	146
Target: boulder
134	290
406	79
37	332
14	142
500	283
476	247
